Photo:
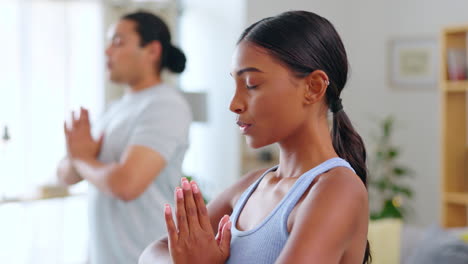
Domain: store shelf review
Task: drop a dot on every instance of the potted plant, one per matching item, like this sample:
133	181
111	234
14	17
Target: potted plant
388	190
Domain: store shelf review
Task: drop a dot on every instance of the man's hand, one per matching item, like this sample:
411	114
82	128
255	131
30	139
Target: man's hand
192	240
80	143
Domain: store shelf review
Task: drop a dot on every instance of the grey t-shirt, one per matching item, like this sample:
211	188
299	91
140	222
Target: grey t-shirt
157	118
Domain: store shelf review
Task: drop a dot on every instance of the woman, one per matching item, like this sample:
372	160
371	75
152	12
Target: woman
312	208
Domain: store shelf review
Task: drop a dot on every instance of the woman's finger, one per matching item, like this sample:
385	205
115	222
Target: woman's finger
182	224
170	225
190	207
203	217
225	243
221	224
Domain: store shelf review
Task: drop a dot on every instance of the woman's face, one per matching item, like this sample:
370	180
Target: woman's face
269	99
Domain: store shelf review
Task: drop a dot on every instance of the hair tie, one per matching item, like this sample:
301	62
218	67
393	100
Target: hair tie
336	106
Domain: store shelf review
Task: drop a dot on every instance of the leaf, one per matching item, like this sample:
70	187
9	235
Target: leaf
382	184
189	178
407	191
387	127
400	171
390	211
392	153
403	190
380	154
375	216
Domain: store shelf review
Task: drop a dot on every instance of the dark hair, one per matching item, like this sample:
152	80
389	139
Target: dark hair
305	42
150	28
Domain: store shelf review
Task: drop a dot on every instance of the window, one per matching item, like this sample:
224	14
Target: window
52	61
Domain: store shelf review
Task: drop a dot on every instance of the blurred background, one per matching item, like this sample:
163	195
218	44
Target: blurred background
52	61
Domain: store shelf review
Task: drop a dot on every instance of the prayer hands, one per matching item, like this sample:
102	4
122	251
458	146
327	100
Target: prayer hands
80	143
192	240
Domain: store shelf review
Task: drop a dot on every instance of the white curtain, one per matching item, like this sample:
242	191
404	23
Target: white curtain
51	62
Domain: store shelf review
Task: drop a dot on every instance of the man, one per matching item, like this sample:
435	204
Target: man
132	157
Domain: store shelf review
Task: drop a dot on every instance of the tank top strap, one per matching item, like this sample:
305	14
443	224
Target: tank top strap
246	194
306	179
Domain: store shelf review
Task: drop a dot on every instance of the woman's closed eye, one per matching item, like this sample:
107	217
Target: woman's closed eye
250	87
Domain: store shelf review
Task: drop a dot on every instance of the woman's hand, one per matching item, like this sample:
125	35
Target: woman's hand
192	240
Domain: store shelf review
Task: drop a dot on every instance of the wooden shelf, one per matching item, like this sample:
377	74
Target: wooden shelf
456	198
454	124
456	30
455	86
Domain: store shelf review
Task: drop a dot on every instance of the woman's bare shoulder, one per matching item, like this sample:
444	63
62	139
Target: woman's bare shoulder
333	214
343	182
339	188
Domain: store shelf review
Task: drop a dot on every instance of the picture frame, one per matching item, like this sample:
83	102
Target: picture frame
413	63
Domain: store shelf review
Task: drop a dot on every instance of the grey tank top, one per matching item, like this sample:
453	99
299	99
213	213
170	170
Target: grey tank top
263	244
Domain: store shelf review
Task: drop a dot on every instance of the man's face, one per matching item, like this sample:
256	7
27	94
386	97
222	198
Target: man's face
125	56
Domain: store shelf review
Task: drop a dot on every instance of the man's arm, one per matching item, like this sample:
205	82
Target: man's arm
66	173
127	179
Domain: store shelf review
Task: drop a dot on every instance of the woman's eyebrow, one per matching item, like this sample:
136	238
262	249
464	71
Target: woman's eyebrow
248	69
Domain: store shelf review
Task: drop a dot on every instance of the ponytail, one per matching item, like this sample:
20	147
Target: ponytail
152	28
174	59
349	146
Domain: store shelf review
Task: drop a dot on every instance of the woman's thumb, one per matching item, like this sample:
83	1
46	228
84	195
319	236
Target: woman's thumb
225	244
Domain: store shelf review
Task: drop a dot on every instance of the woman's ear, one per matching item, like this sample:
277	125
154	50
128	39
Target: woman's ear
316	86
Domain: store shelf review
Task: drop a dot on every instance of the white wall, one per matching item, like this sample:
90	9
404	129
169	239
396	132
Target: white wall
208	33
366	27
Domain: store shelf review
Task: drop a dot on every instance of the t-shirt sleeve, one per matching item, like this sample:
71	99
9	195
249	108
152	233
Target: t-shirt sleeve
162	126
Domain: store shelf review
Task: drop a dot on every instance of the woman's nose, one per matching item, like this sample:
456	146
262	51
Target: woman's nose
236	105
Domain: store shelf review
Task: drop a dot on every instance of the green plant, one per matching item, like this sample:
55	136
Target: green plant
387	176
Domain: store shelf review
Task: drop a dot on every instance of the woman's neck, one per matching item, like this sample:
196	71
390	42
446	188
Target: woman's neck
305	149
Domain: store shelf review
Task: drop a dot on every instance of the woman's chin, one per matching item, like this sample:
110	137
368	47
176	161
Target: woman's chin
255	144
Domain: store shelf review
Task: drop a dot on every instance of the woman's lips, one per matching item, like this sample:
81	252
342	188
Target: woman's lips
244	127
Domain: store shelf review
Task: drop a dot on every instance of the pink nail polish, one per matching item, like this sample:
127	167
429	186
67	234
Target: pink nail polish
186	185
179	193
167	209
195	188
